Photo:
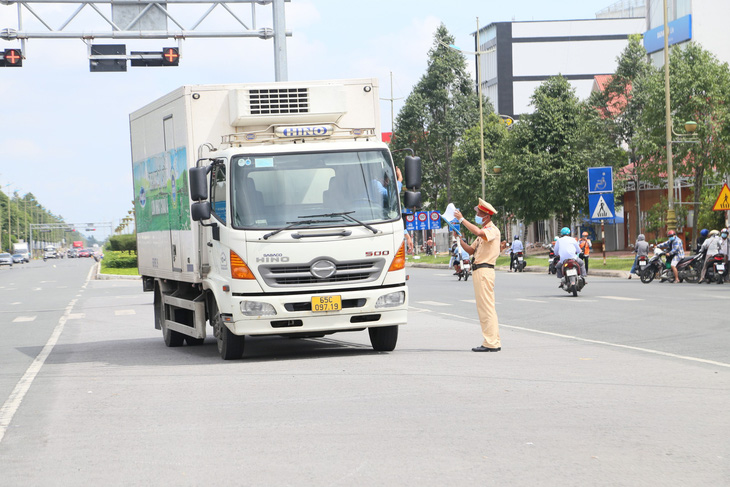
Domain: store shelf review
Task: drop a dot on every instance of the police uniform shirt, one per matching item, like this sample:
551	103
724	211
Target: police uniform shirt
486	250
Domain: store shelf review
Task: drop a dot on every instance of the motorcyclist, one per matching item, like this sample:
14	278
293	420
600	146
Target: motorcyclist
701	239
585	248
516	247
710	247
675	248
724	249
567	248
458	255
641	248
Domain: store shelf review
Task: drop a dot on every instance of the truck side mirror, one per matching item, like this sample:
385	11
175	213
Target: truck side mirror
200	210
412	199
198	183
413	173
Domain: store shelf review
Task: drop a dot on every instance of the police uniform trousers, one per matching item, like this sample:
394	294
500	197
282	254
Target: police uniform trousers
483	281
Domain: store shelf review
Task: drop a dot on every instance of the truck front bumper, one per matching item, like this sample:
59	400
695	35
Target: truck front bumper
360	309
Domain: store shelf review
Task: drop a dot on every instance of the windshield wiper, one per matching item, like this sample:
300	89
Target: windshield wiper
344	214
294	224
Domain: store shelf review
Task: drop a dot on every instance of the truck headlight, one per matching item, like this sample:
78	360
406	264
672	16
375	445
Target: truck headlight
257	308
391	300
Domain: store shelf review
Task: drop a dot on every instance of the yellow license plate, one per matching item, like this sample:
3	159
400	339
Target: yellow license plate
326	303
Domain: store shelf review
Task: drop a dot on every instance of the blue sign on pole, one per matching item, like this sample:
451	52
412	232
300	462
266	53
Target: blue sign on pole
410	222
422	220
434	219
680	30
600	179
601	206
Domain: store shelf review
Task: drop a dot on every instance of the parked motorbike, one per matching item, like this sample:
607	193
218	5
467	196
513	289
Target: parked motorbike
641	264
519	262
716	270
572	281
552	263
688	268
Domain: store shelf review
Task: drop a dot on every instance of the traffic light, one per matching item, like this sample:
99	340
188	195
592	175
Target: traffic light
12	58
170	56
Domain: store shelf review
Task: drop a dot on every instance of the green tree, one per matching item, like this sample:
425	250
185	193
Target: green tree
546	156
441	107
620	104
699	91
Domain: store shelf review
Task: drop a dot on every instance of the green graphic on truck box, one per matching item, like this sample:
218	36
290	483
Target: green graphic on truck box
161	197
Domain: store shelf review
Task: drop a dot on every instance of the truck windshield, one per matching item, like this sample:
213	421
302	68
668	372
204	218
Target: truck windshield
271	190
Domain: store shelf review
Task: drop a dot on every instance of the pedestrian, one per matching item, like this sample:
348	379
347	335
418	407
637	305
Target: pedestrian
484	251
585	248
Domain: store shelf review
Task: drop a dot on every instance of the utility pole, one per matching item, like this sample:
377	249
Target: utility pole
671	215
391	100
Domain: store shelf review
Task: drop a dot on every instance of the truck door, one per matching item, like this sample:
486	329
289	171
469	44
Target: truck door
217	255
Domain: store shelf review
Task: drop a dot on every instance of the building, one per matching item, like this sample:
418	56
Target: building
519	56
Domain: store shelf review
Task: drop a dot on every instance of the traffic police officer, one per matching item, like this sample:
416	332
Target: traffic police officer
484	251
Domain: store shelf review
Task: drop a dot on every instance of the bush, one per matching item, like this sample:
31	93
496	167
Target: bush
117	260
123	243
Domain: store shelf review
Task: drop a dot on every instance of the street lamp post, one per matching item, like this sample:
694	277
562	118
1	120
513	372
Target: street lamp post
671	215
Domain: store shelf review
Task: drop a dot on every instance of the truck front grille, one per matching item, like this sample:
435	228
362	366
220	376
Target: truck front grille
299	275
276	101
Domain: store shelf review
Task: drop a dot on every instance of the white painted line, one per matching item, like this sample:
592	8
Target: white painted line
43	282
124	312
596	342
15	303
21	319
37	289
11	405
433	303
530	300
77	316
620	298
471	301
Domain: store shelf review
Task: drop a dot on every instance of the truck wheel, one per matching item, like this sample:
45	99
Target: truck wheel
230	346
172	338
194	342
384	338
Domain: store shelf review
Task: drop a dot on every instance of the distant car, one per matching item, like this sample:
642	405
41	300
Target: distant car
84	253
71	253
18	259
6	259
50	253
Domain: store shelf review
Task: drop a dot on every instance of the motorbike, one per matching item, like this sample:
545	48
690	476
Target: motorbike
716	270
464	265
688	268
552	263
572	281
641	263
519	262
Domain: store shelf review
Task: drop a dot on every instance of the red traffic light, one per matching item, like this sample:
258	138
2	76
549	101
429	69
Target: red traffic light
13	58
170	56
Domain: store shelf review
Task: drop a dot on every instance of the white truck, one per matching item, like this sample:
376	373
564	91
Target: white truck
270	209
22	248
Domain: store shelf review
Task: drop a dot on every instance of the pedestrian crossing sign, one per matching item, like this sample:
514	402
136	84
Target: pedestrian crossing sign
723	200
601	206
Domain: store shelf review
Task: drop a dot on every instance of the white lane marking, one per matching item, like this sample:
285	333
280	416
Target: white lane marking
12	403
43	282
16	303
21	319
530	300
444	275
620	298
124	312
77	316
433	303
470	301
596	342
37	289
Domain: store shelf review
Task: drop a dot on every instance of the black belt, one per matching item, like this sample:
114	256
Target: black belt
479	266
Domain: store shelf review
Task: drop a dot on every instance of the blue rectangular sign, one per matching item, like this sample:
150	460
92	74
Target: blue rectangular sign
601	207
600	179
680	30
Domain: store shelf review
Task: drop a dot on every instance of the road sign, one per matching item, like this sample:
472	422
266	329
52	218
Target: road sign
723	200
601	206
410	222
422	220
434	220
600	179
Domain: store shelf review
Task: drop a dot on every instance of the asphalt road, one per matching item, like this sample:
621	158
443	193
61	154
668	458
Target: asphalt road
627	384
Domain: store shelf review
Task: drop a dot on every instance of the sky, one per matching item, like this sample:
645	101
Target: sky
64	131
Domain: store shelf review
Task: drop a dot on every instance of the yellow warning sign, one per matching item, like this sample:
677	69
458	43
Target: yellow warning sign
723	201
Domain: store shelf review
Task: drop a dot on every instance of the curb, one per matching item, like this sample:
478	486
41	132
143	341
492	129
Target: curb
108	277
595	272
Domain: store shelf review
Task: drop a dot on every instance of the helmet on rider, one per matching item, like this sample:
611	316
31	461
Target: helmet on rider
555	238
671	234
517	237
585	234
714	232
704	232
640	237
565	231
723	233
